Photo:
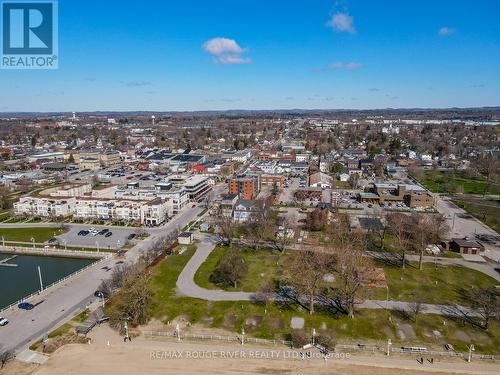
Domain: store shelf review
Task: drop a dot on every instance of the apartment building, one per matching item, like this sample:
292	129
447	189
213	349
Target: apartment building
197	187
178	195
152	212
44	207
104	158
245	187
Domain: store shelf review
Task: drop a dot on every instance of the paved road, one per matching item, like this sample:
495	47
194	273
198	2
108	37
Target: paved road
463	224
64	301
187	286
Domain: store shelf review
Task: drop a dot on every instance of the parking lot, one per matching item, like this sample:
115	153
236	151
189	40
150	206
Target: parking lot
117	240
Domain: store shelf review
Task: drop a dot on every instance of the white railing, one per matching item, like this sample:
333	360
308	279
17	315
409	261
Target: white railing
361	347
235	338
55	283
48	252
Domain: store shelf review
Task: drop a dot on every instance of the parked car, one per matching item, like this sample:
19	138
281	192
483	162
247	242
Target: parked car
100	294
25	306
52	240
131	236
104	231
3	321
108	234
193	206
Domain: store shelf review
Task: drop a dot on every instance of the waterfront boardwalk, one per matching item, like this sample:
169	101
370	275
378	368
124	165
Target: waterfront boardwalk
54	252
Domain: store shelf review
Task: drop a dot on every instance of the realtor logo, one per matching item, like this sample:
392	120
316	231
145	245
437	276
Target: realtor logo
29	34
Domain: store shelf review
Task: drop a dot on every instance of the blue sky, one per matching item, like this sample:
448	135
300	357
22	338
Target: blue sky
202	55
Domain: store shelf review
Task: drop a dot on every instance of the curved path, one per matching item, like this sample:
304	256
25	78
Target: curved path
186	286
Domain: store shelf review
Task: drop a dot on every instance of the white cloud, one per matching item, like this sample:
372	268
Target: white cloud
445	31
348	66
342	22
225	51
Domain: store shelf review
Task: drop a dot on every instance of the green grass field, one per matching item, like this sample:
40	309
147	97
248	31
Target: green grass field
486	210
273	321
442	284
450	182
26	233
262	266
436	285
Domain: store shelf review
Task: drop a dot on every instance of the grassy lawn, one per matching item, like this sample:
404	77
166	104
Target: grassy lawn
273	321
447	181
443	284
436	285
486	210
25	234
263	265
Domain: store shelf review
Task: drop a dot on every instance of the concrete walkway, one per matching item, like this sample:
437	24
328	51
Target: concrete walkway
186	286
487	268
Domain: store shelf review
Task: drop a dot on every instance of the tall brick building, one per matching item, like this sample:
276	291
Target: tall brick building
247	187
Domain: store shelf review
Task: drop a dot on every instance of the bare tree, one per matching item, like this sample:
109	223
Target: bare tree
135	301
5	356
226	228
421	234
438	227
260	225
350	267
399	227
486	303
230	269
349	264
488	165
284	235
306	272
416	307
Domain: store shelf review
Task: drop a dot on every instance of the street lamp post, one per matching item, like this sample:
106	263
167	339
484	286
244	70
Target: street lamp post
389	343
117	245
471	349
97	246
3	241
65	245
40	278
387	298
33	242
127	337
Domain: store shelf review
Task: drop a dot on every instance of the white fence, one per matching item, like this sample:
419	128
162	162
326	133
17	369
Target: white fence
414	350
55	283
55	252
235	338
339	347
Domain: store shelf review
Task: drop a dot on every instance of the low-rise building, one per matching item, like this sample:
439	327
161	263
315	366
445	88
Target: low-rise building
89	163
413	196
464	246
244	209
185	238
321	180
